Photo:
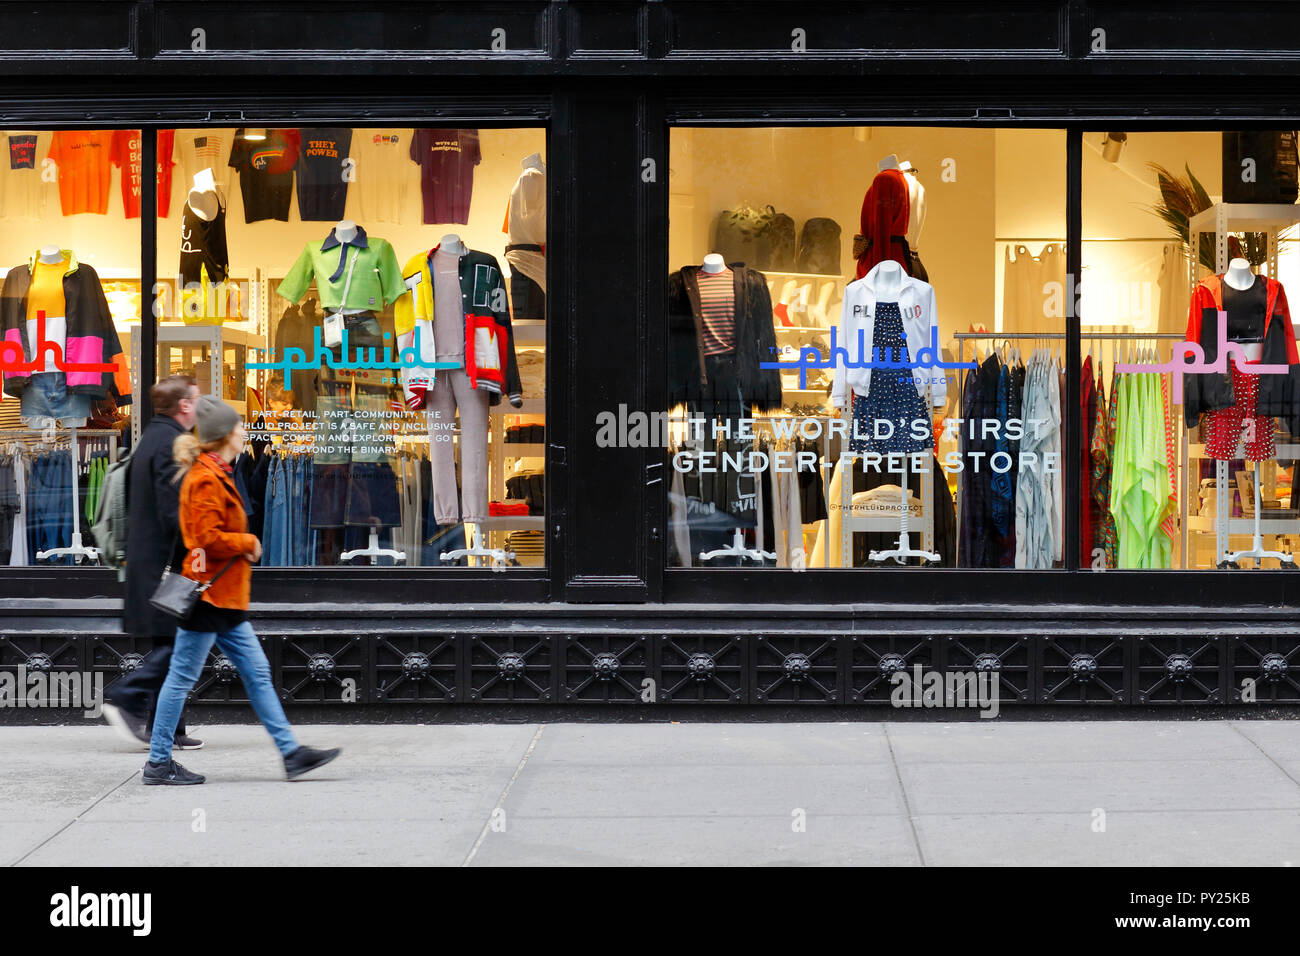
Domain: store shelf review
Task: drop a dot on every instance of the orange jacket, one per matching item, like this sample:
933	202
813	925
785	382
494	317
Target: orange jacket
213	522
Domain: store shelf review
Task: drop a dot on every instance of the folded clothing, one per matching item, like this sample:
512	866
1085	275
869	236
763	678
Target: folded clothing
526	433
531	487
508	507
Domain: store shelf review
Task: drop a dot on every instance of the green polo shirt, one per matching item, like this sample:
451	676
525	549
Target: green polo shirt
376	275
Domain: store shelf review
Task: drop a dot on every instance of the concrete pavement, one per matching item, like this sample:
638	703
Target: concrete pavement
972	793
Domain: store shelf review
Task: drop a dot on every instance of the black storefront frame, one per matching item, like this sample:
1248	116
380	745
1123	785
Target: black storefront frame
1158	590
312	585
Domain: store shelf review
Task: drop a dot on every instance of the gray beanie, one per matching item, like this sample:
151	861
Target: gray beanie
215	418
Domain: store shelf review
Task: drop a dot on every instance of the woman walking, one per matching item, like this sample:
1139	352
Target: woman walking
213	524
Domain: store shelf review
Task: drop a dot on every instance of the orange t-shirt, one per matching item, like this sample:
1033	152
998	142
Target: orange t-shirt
85	169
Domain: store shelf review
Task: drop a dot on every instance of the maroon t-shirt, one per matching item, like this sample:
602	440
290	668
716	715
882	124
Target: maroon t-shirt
447	158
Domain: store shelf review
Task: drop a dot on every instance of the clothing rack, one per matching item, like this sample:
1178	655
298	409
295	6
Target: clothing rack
1086	239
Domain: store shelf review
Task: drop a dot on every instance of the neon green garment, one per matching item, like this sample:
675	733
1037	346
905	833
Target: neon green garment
1140	481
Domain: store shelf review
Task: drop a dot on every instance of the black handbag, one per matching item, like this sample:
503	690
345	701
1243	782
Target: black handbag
176	594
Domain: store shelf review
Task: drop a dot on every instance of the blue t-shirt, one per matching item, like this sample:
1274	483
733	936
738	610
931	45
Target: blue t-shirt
323	173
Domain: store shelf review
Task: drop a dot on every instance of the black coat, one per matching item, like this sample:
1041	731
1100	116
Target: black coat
755	343
153	500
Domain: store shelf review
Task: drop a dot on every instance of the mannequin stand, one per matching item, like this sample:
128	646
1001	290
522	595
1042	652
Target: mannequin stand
373	551
737	549
904	549
77	550
499	556
1257	543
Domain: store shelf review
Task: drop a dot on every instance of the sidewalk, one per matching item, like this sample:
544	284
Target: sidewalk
1179	793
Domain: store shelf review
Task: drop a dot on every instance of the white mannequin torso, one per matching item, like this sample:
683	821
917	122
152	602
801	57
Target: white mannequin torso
1240	277
204	198
889	281
50	255
451	244
345	230
713	263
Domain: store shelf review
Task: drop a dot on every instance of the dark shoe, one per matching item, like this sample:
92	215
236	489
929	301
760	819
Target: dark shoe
305	758
170	774
186	742
128	726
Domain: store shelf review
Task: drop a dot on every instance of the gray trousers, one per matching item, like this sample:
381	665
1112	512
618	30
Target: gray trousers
452	392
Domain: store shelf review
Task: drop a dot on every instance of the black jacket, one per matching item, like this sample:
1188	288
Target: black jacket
688	380
153	500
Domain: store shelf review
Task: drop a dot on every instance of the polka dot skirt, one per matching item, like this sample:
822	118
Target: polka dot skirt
882	419
1225	428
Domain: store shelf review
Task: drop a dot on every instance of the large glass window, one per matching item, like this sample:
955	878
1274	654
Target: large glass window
1188	246
866	333
374	301
70	309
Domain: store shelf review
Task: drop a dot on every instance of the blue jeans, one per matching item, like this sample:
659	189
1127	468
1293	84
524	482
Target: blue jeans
275	526
188	656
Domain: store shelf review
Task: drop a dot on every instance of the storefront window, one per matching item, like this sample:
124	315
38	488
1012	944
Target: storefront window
373	301
70	204
867	344
1188	245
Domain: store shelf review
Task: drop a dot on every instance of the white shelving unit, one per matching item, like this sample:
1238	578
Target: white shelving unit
531	334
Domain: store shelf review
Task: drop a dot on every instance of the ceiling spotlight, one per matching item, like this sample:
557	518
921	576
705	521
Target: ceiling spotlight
1112	145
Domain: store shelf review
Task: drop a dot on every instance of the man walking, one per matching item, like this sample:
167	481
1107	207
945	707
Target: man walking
152	503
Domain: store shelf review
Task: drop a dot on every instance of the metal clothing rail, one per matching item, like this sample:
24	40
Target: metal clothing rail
1097	239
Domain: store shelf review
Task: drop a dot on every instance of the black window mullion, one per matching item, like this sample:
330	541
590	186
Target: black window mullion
1071	418
148	370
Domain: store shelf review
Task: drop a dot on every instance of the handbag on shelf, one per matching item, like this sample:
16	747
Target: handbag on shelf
176	594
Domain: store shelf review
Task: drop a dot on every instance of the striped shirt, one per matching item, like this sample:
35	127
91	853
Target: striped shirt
718	310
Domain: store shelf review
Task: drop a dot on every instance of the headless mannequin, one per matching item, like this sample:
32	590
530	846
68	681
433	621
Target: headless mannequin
51	255
713	263
533	161
889	281
451	244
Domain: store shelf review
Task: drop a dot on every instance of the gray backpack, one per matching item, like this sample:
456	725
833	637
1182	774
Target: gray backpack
109	526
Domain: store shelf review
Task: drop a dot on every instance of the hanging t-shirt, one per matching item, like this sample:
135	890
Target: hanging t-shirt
266	173
323	173
23	188
46	294
85	169
381	167
447	158
127	154
197	150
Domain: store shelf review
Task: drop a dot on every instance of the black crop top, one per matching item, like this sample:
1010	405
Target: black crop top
1246	311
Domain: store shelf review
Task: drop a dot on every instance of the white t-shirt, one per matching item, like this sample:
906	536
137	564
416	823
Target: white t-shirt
527	220
383	175
200	149
22	193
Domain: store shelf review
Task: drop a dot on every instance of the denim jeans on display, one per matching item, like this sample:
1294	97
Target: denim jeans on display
239	644
49	503
275	529
46	399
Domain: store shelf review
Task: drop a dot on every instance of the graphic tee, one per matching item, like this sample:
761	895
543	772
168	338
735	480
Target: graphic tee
447	158
323	174
85	169
46	294
382	165
23	188
197	150
127	154
265	170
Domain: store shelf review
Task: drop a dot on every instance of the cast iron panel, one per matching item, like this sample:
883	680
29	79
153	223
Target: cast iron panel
1178	669
797	670
416	667
1010	656
512	668
1078	669
606	668
703	669
875	658
323	668
47	654
1271	661
219	682
116	655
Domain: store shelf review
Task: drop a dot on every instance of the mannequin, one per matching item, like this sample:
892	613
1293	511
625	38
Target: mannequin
451	244
51	255
713	263
204	258
354	482
889	281
1241	277
526	251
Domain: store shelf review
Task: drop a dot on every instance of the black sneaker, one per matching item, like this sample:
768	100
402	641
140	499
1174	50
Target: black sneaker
128	726
169	774
305	758
186	742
